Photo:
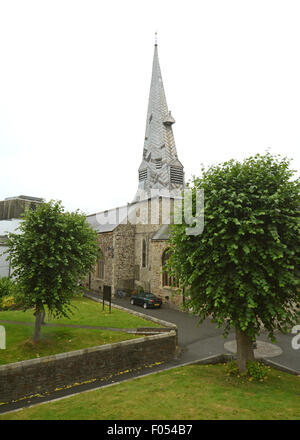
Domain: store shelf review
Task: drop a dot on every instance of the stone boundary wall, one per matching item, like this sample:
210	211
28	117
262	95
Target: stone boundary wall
37	376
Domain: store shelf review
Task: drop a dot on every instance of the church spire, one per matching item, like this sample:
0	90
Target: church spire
160	168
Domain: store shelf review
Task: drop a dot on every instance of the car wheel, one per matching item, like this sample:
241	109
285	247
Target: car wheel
145	306
132	302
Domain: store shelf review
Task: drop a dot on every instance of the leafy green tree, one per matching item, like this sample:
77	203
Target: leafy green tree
244	269
53	252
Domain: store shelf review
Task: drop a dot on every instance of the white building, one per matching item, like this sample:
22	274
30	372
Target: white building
6	227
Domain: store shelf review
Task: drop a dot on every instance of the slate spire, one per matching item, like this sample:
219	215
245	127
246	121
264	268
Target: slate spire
160	168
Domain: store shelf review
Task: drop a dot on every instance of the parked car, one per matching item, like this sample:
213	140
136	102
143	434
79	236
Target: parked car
146	300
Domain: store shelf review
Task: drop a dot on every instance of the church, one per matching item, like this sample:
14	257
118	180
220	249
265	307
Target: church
133	239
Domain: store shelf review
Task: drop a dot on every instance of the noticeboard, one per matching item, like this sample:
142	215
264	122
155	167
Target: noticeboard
107	296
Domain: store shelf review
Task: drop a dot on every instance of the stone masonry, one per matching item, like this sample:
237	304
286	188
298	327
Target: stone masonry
37	376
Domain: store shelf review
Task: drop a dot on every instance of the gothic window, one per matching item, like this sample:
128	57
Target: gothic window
144	253
167	280
100	267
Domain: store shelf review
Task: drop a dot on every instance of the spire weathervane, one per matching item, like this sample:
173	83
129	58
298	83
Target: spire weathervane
156	38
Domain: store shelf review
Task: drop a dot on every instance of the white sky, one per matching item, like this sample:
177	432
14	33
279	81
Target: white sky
75	79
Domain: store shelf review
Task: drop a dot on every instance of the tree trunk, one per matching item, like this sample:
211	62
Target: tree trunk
37	327
245	350
43	318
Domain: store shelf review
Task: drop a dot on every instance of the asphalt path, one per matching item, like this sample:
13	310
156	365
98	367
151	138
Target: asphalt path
200	341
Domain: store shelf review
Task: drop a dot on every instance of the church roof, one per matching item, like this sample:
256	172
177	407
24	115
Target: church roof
106	221
163	233
92	220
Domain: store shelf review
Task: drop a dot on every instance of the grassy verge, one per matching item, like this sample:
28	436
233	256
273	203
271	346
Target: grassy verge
187	393
54	340
85	312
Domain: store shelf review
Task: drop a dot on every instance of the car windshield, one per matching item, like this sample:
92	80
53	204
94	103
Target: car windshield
149	295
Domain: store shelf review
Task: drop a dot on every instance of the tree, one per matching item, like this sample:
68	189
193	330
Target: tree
53	252
244	269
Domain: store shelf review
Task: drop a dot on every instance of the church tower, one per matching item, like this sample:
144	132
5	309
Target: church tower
160	169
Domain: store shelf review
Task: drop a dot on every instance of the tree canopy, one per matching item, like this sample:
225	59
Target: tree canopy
53	252
244	269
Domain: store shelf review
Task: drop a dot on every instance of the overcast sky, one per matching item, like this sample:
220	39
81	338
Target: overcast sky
75	79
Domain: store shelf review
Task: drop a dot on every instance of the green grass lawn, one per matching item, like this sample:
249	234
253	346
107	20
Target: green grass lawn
86	312
187	393
54	340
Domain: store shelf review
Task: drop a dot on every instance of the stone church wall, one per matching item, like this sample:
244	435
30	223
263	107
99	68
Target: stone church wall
150	276
166	293
146	232
118	250
122	251
105	241
123	274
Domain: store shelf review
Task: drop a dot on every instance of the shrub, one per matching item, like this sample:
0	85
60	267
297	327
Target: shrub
6	287
232	369
255	371
8	303
10	294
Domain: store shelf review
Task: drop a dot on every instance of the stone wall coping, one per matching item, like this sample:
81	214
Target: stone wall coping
133	312
70	354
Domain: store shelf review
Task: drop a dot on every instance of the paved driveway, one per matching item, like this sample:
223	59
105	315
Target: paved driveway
199	341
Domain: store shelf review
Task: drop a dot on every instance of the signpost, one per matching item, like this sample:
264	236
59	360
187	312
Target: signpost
107	296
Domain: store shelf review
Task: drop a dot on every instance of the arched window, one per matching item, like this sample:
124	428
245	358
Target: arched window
144	253
167	280
100	266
